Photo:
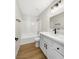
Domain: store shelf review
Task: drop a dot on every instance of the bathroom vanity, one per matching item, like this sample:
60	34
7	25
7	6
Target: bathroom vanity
52	42
52	45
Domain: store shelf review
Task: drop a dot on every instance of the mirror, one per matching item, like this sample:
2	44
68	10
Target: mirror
57	22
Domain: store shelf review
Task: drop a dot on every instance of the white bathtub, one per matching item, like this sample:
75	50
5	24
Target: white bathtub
28	38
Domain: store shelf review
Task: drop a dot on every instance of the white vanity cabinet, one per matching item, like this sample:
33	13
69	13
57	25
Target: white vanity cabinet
52	54
51	49
55	52
43	45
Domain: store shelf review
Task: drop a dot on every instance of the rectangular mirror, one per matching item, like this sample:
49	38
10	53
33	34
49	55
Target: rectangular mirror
58	23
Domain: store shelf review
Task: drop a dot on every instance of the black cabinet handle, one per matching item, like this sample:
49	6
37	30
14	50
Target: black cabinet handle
58	48
45	45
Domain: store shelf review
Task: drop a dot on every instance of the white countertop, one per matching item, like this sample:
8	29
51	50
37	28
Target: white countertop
57	37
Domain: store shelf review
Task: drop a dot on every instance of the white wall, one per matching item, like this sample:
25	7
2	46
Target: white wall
17	29
17	35
29	28
44	19
18	14
29	25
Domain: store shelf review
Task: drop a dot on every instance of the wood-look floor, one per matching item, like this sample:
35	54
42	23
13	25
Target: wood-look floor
29	51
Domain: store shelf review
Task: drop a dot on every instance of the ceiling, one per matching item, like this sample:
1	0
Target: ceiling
33	7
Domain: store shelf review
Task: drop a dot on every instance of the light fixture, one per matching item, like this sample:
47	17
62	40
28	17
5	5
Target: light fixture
59	1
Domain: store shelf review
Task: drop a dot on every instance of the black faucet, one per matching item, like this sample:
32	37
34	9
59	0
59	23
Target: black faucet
55	31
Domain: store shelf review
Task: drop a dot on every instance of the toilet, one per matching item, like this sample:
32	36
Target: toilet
37	43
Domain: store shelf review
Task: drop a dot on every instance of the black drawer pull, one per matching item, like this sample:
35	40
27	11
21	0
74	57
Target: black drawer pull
57	48
45	45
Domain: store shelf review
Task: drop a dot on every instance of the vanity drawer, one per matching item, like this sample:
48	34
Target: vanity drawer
56	47
48	41
59	48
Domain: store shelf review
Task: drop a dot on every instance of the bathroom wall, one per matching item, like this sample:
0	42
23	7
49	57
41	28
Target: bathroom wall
29	28
18	14
45	18
17	29
17	35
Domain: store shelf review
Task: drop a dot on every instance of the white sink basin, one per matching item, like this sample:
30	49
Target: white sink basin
58	37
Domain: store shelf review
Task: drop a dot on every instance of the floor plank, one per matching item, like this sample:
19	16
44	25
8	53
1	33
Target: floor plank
29	51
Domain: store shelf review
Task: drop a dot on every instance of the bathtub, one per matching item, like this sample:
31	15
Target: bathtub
28	38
